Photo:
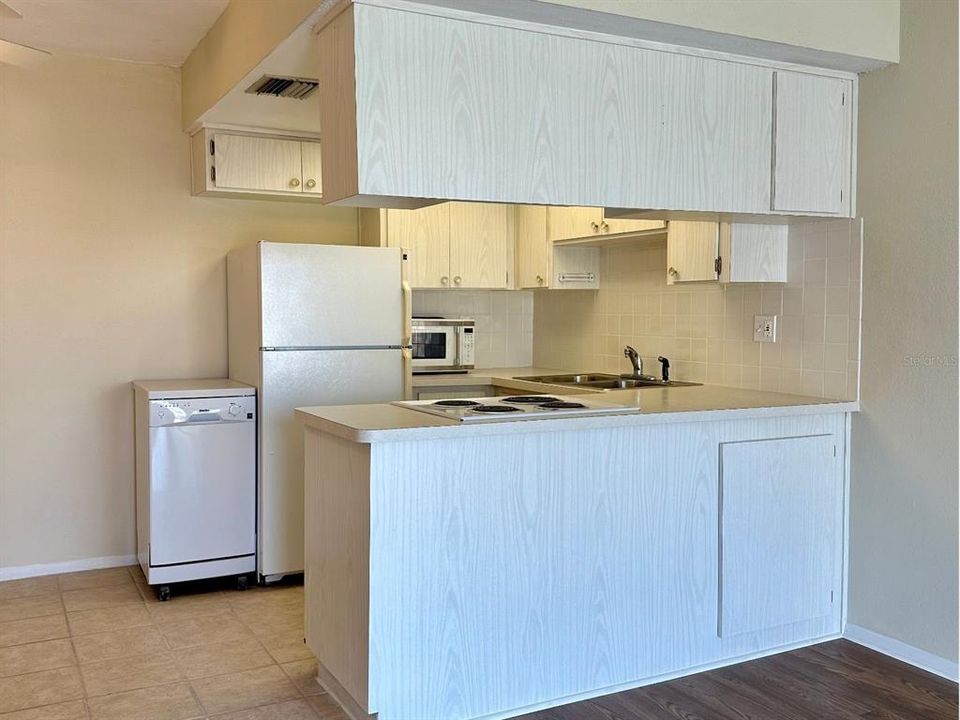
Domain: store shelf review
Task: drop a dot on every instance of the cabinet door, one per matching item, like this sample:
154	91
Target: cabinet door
310	161
256	163
564	223
780	506
533	248
752	252
612	226
691	251
425	233
481	245
811	144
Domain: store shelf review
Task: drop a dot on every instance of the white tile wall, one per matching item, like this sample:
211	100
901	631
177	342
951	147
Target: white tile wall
706	329
504	329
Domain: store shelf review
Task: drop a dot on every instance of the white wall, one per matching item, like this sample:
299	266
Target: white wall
903	530
109	271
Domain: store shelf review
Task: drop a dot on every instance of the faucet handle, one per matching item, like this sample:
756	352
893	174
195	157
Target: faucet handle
665	368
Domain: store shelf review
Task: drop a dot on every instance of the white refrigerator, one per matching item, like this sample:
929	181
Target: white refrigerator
311	325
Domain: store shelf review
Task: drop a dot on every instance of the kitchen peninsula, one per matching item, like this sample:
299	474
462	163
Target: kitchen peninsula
460	570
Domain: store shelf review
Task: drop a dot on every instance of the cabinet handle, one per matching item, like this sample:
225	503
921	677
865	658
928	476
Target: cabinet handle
595	226
311	183
295	182
539	279
457	280
672	272
444	280
604	226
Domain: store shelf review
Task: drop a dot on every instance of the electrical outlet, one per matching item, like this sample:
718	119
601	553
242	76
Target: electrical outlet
764	328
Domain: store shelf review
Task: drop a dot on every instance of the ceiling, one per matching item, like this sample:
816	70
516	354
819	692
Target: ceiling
163	32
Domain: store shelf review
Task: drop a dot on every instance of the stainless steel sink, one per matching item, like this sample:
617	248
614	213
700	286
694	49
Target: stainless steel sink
603	381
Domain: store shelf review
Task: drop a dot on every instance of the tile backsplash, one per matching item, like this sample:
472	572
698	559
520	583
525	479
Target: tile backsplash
504	321
706	329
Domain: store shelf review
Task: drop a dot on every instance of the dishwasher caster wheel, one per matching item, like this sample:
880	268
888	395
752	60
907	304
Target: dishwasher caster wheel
164	593
242	583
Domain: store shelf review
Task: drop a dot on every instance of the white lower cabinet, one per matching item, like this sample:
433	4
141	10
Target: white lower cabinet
555	563
781	519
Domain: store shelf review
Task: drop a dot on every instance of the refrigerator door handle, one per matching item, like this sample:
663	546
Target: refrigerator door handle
407	304
407	354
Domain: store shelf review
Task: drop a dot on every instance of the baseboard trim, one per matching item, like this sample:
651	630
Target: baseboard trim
903	652
98	563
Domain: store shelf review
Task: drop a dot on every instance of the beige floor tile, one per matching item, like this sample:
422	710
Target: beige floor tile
34	657
283	649
242	690
72	710
119	643
222	658
204	630
267	596
292	710
130	673
167	702
94	579
327	708
28	607
103	619
188	606
101	597
48	627
303	673
41	688
27	587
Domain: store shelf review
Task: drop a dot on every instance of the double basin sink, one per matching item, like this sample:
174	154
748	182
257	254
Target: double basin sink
601	381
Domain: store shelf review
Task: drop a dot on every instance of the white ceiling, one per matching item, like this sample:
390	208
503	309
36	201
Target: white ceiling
163	32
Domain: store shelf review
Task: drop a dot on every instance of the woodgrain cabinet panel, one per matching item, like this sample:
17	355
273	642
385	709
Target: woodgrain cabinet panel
426	234
567	223
245	162
310	162
692	249
481	245
500	114
616	226
753	252
541	264
812	144
780	532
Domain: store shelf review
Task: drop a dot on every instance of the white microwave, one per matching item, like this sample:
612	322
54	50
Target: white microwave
442	346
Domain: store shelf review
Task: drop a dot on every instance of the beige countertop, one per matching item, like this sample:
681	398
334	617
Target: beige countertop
385	423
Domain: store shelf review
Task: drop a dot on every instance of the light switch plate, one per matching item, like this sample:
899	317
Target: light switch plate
765	328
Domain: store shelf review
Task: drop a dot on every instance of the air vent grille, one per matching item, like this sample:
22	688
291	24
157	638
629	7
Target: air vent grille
290	87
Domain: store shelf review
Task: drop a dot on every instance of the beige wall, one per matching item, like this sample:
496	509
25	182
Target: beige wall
109	271
903	528
867	28
706	329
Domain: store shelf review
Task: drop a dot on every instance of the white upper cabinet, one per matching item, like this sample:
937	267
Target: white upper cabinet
481	245
812	142
255	163
244	162
417	106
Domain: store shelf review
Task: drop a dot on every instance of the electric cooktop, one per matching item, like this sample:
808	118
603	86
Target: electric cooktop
515	407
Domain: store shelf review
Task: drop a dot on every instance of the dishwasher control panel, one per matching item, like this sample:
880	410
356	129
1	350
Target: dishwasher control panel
182	411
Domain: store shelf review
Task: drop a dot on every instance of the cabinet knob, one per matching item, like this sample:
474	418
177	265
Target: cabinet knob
539	279
457	280
604	226
295	182
444	280
594	226
311	183
672	272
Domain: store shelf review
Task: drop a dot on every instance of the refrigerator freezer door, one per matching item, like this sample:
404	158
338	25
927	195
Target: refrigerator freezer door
299	378
330	296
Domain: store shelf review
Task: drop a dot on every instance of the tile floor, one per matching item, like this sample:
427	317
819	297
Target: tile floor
99	645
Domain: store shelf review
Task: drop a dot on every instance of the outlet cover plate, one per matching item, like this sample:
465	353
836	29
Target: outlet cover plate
765	328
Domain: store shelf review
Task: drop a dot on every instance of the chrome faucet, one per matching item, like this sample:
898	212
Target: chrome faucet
634	357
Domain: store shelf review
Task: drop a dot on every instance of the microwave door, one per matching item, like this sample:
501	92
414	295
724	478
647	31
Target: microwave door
434	347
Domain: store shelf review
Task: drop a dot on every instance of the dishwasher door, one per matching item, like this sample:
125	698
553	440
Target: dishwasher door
202	480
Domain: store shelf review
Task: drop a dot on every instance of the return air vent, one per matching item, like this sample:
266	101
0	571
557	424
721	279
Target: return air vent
290	87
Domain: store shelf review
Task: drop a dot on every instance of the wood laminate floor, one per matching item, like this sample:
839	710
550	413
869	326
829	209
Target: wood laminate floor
836	680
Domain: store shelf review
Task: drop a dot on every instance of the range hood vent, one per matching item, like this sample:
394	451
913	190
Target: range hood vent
291	87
